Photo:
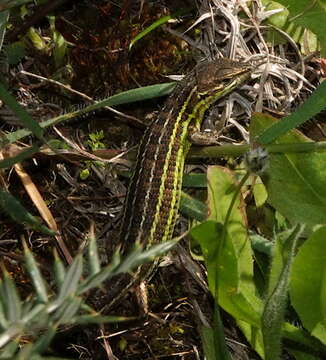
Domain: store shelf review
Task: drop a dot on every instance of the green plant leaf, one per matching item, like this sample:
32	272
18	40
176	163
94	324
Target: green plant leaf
193	208
6	163
98	319
59	270
194	180
309	14
311	107
283	20
70	284
139	94
9	350
93	256
13	3
25	119
150	28
43	343
276	299
66	313
18	213
4	16
10	298
221	191
36	39
15	52
3	319
36	276
228	255
156	24
295	182
308	284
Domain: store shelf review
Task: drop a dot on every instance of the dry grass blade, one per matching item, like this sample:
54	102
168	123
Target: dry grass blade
43	209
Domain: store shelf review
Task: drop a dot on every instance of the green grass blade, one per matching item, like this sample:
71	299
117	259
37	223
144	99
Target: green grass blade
6	163
156	24
93	256
59	270
312	106
4	15
72	279
25	119
36	276
11	300
139	94
19	214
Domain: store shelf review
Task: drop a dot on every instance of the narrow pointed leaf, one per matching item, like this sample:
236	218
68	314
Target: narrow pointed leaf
311	107
36	276
139	94
6	163
18	213
25	119
275	305
11	300
93	257
59	270
72	279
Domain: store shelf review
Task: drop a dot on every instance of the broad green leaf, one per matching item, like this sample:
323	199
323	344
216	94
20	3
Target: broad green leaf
283	20
221	190
308	284
227	252
236	288
295	182
260	194
18	213
309	14
311	107
225	275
